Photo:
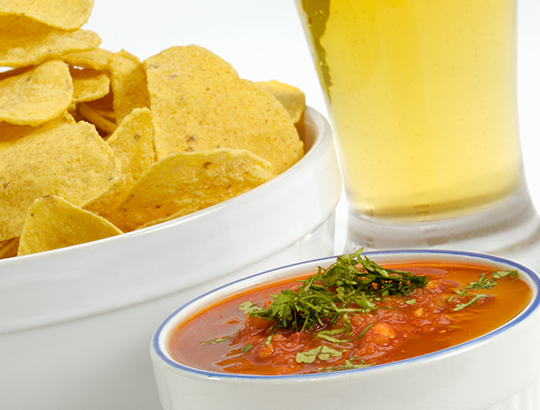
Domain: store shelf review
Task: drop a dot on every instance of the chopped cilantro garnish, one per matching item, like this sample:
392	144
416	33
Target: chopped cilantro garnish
503	273
481	283
470	302
350	285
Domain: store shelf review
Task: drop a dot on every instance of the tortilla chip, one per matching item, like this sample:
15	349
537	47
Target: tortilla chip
36	96
133	142
96	59
27	42
104	106
128	82
93	116
9	132
89	84
13	72
133	145
292	98
8	248
199	103
70	160
186	182
62	14
54	223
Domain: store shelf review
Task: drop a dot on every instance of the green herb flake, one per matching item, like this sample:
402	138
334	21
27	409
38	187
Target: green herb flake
483	282
333	332
328	335
248	307
332	339
322	352
363	333
503	273
347	365
470	302
247	348
216	341
411	302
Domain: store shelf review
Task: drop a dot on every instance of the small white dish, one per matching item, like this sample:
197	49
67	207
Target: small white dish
497	371
75	322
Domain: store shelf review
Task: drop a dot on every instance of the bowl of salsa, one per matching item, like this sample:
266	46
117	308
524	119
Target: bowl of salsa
403	329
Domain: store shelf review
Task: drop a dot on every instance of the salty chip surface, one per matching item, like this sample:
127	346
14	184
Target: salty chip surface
200	103
70	160
11	132
27	42
96	59
89	84
63	14
54	223
128	82
292	98
133	144
37	95
186	182
8	248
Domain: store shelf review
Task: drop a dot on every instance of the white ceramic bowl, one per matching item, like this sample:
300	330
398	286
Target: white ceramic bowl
75	322
498	371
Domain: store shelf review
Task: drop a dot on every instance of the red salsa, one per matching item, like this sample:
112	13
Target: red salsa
455	304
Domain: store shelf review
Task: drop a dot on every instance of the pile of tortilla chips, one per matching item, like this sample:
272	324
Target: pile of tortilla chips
95	143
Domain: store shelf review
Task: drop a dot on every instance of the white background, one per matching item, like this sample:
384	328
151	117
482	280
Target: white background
263	40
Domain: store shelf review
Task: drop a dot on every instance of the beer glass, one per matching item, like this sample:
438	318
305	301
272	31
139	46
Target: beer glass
422	96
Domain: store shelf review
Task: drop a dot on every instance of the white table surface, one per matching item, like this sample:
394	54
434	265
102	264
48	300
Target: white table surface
263	40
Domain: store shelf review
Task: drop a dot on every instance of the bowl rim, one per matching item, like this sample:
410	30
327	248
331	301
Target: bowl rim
159	340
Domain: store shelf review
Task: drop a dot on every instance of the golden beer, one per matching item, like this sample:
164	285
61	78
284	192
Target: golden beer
422	97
